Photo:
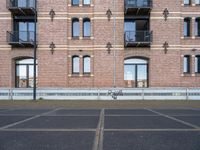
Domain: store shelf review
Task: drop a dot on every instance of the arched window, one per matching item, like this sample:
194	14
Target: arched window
86	2
86	27
187	27
187	2
197	27
186	64
75	27
136	72
75	2
75	64
197	64
86	65
24	73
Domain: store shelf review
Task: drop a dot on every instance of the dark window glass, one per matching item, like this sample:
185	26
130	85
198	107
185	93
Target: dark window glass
86	64
86	2
86	27
75	28
24	73
197	64
186	2
186	64
75	64
75	2
197	27
187	27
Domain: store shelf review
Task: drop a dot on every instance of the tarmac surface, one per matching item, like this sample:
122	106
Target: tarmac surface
99	129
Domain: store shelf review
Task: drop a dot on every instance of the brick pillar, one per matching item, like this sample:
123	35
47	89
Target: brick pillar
81	28
193	27
81	65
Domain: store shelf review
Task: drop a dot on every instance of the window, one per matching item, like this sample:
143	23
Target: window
187	2
86	2
75	65
197	64
136	72
86	65
24	70
75	2
197	2
186	64
24	31
86	27
186	27
197	27
75	27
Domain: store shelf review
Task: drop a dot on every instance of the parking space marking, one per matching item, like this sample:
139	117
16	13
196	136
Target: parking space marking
131	115
6	110
47	130
98	141
175	119
28	119
134	130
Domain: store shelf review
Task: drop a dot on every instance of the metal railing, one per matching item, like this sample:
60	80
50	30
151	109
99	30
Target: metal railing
138	36
138	3
21	3
20	36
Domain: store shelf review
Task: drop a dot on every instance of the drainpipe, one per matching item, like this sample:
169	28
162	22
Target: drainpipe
35	55
114	48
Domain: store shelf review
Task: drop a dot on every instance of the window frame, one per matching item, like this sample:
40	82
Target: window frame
86	4
76	5
197	3
84	57
188	27
73	71
187	4
197	27
75	20
197	64
188	59
85	20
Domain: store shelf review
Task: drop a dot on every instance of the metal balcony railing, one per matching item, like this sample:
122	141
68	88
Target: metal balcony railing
21	3
21	37
138	3
134	37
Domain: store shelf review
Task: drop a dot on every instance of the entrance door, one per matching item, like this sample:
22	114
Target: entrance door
136	73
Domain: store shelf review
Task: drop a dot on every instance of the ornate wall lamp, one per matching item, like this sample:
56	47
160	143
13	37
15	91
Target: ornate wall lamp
52	14
109	14
166	14
108	46
52	46
165	46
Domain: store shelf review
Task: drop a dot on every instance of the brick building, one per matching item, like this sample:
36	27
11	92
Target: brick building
99	43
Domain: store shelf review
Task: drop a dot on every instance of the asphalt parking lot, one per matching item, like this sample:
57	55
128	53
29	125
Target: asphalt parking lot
99	129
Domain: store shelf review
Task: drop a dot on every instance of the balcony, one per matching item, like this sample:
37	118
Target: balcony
21	38
137	38
22	7
138	7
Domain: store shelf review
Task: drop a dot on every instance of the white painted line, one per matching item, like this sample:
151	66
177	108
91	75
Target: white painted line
154	130
47	130
28	119
175	119
131	115
98	141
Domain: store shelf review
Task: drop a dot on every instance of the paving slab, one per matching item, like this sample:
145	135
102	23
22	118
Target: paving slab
128	112
24	112
178	111
46	140
151	140
5	120
80	112
191	119
61	122
141	122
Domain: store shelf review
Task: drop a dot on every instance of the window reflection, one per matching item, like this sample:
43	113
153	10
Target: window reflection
25	73
136	73
86	27
86	64
75	28
75	65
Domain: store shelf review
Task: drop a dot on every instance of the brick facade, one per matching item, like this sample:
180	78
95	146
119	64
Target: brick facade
55	70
